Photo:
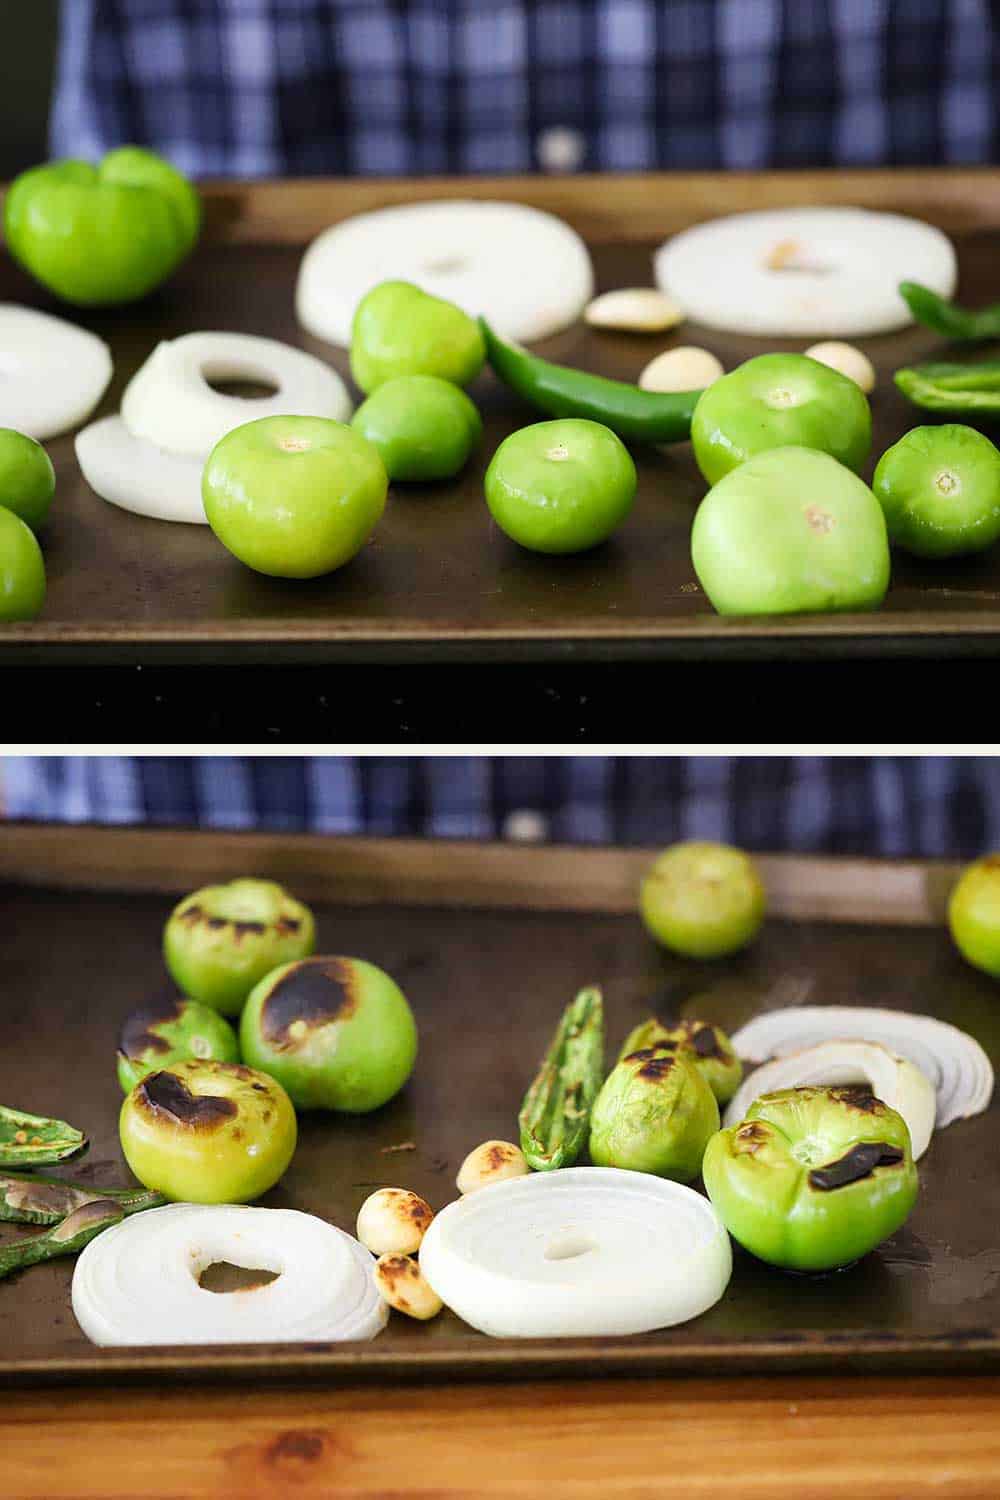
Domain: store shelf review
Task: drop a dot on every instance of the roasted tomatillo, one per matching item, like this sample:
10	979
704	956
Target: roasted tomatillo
655	1114
169	1031
219	941
208	1132
702	899
813	1178
337	1032
710	1048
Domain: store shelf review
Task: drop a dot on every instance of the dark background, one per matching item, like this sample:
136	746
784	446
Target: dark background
27	58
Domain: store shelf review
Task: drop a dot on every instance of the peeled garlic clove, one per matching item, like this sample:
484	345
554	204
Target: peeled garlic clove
493	1161
401	1284
393	1221
640	309
847	360
686	368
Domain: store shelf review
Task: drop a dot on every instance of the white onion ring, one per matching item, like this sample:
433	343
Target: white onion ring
169	402
137	1283
137	476
895	1080
523	269
953	1061
52	373
842	269
582	1251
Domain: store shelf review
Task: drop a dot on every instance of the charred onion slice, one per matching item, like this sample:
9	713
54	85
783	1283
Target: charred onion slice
895	1080
52	373
139	1283
953	1061
582	1251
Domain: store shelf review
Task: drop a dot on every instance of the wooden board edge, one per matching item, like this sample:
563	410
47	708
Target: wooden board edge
356	871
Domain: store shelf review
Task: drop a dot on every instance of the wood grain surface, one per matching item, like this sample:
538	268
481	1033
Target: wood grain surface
439	582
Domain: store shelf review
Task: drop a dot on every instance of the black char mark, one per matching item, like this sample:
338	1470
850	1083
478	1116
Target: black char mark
137	1035
656	1062
316	991
858	1096
859	1162
703	1039
192	915
165	1093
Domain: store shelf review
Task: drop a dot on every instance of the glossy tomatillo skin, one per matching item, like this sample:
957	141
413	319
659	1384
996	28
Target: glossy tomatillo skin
105	234
703	899
560	486
710	1050
219	941
939	488
423	427
165	1032
27	478
294	497
778	401
802	1183
788	532
974	914
400	330
655	1113
338	1033
22	570
208	1132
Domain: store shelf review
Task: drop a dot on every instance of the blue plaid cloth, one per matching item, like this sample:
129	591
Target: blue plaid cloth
252	88
930	807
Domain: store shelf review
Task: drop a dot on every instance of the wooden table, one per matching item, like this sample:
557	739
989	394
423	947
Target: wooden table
813	1438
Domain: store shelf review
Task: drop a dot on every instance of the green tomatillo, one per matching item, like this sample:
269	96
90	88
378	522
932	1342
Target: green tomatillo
27	478
338	1033
778	401
168	1031
22	570
939	488
702	899
219	941
710	1048
423	427
813	1178
560	486
974	914
400	330
294	497
208	1132
104	234
655	1113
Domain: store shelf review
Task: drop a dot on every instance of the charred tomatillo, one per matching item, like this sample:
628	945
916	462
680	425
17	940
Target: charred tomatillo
294	497
219	941
423	427
338	1033
400	330
974	914
27	478
162	1033
22	570
791	531
208	1132
813	1178
655	1113
104	234
702	899
778	401
710	1048
939	488
560	486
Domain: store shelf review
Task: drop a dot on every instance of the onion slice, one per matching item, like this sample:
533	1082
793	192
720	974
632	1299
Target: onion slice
953	1061
523	269
52	373
136	475
582	1251
138	1283
169	401
895	1080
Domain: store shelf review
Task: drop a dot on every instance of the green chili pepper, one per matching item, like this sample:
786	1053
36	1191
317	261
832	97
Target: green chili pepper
83	1225
31	1198
34	1140
634	414
555	1115
953	387
813	1178
947	318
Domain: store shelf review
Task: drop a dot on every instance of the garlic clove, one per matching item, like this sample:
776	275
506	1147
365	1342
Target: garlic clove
493	1161
846	360
393	1221
641	309
686	368
401	1283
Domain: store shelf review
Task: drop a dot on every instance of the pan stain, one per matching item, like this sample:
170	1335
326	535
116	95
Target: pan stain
297	1445
313	993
